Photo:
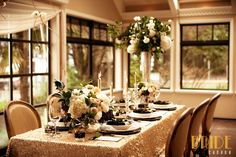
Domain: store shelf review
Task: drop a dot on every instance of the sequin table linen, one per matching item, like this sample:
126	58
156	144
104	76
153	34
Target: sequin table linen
147	143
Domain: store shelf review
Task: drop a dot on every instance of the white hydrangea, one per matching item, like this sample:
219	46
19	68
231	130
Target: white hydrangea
77	107
165	42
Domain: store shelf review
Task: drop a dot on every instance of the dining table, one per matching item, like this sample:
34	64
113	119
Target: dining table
149	141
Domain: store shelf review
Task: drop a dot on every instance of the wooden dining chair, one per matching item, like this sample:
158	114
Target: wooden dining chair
195	129
20	117
177	138
208	120
53	105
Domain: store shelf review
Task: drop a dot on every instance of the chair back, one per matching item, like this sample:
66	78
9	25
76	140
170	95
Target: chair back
195	128
20	117
53	105
177	138
208	119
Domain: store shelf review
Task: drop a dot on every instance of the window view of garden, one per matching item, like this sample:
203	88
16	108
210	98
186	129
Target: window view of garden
160	69
89	52
22	76
205	56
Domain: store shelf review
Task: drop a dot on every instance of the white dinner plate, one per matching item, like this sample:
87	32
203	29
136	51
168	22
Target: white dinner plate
164	107
132	128
146	116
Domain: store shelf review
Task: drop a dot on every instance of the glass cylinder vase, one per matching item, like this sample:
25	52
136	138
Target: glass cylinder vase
146	65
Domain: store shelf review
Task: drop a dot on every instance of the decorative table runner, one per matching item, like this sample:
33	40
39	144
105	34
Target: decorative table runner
148	142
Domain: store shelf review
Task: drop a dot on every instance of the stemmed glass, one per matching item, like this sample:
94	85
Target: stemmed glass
157	94
54	117
135	97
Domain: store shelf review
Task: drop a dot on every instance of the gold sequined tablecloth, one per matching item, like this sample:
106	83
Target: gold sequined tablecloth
147	143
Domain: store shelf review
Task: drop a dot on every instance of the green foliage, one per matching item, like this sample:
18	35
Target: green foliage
65	99
40	98
144	34
73	80
2	105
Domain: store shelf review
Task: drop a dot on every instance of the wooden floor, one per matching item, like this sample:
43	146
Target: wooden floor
222	128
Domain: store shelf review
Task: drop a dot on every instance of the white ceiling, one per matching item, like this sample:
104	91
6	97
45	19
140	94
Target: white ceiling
174	8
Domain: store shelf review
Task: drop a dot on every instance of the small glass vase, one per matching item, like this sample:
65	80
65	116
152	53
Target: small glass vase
146	65
144	102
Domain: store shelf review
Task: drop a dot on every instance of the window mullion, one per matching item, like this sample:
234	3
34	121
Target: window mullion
11	72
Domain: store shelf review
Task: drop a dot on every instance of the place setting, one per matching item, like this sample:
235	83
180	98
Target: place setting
163	105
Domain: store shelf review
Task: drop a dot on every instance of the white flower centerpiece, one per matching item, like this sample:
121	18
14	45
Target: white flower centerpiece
83	107
148	91
87	105
146	36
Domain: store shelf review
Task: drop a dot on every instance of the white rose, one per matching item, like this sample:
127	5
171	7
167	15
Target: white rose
150	90
105	106
146	40
103	97
98	116
86	91
165	42
152	33
118	41
151	25
75	92
137	18
131	49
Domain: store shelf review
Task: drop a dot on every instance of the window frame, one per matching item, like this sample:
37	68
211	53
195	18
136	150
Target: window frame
31	73
177	87
90	41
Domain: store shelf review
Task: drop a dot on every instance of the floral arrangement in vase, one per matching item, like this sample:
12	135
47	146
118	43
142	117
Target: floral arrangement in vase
148	91
83	107
145	34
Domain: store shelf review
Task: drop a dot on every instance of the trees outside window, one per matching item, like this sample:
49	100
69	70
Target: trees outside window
205	56
89	51
160	69
22	76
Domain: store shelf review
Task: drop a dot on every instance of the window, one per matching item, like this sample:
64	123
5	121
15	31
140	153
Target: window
160	69
205	56
89	51
24	66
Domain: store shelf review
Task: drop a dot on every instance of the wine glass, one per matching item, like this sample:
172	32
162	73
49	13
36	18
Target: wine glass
157	94
54	115
135	98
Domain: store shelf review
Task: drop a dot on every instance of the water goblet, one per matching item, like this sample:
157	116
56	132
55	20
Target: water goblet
54	117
